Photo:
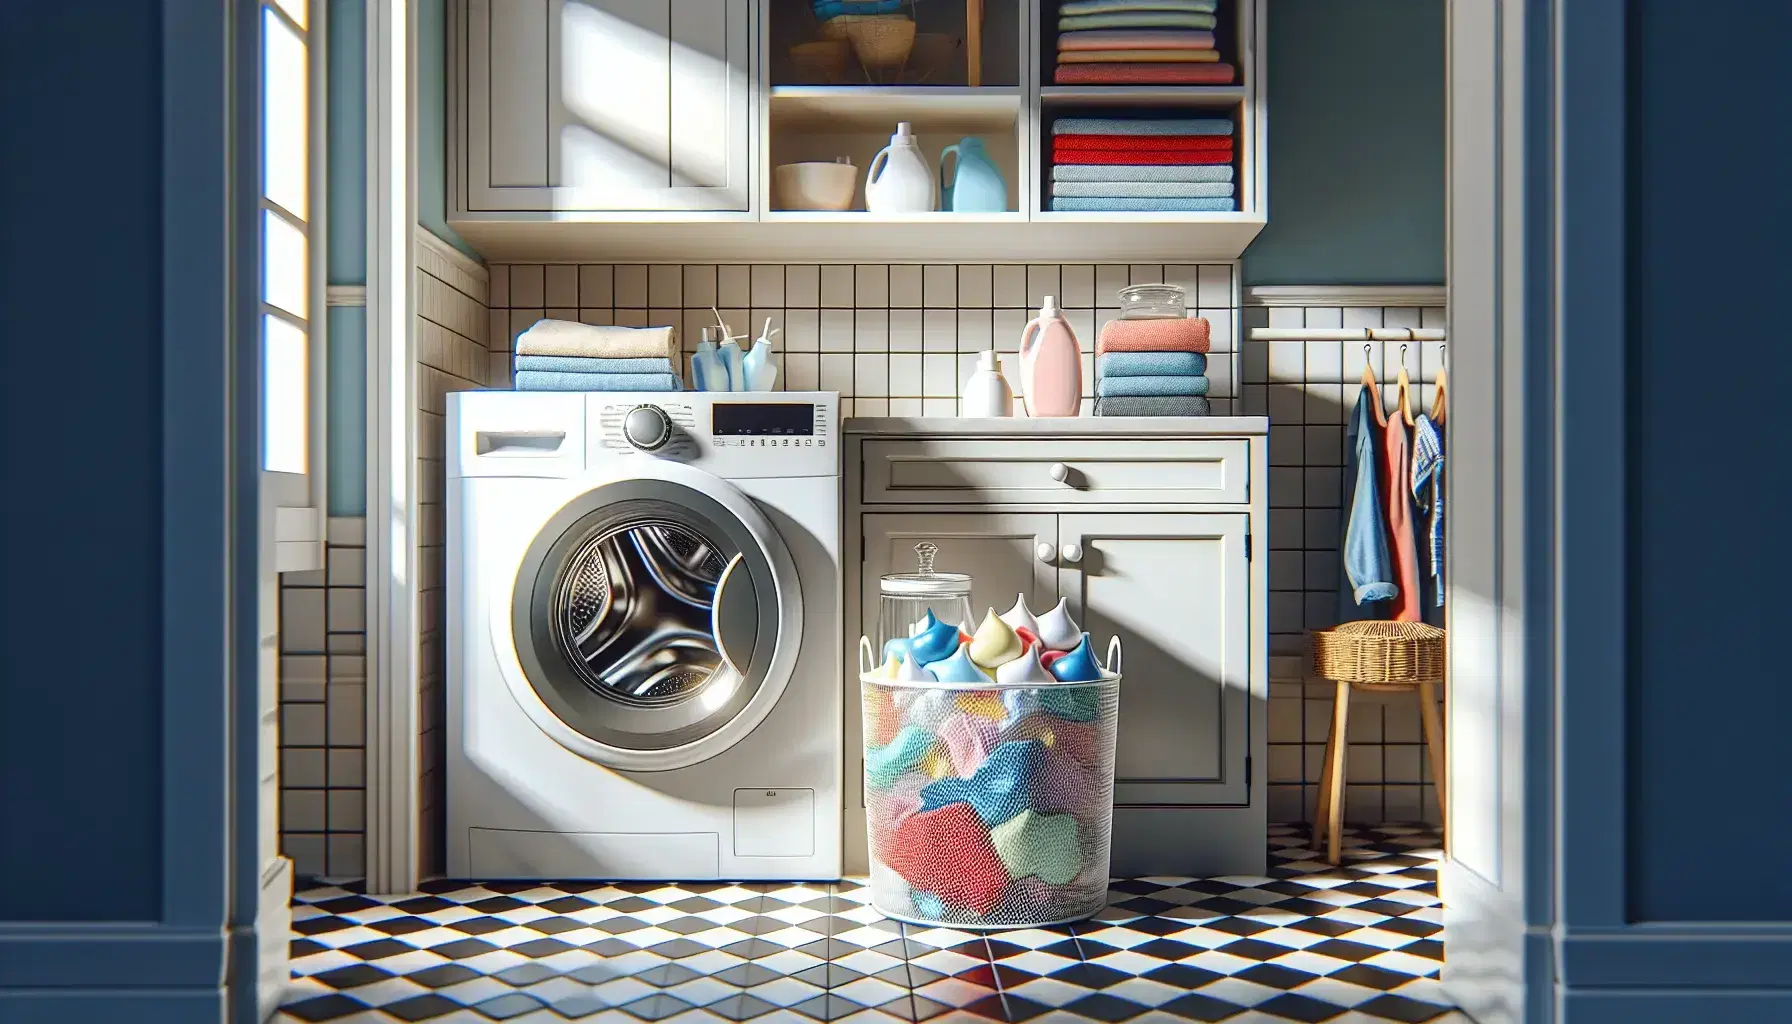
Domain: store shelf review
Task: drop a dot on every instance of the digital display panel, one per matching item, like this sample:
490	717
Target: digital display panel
763	419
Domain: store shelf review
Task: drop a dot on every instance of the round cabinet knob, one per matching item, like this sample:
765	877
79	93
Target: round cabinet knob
1071	552
647	427
1060	472
1045	551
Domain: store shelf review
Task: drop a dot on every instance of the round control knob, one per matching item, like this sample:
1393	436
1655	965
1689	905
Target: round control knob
1060	472
1045	551
1072	552
647	427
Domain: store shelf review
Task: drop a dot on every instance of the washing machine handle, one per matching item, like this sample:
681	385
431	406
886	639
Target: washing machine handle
734	617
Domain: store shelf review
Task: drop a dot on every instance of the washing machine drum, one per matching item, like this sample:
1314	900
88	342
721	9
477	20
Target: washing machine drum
651	616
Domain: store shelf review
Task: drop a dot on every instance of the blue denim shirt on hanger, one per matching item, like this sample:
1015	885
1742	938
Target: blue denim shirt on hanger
1368	569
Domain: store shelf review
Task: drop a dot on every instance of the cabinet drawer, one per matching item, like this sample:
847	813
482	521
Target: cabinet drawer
1027	470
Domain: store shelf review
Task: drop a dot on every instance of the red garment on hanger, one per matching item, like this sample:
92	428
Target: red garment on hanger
1403	544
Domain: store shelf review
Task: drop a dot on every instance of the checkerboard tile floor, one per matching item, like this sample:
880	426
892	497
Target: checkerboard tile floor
1361	942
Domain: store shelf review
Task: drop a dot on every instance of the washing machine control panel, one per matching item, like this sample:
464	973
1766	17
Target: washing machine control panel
782	433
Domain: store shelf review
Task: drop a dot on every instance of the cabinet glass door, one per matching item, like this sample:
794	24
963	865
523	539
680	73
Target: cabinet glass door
1175	588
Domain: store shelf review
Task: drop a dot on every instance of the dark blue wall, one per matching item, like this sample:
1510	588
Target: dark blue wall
80	313
1356	144
1710	695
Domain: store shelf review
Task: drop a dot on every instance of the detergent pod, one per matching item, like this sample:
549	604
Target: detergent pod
1077	665
910	671
1020	616
888	669
959	668
995	642
1024	669
896	647
935	643
1057	631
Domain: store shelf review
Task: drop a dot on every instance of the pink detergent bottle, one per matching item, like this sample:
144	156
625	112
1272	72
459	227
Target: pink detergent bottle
1051	364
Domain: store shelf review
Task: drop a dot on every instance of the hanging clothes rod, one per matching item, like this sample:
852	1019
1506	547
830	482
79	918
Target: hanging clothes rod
1348	334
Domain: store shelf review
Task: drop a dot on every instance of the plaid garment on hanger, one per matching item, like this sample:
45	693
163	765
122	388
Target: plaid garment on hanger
1428	476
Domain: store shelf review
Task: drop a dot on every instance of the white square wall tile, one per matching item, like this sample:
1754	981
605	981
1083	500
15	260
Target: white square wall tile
905	375
1213	283
907	407
561	285
699	285
836	373
871	330
1400	316
939	285
1362	316
1109	279
497	293
768	284
975	330
871	286
802	285
665	285
976	286
1324	316
527	286
905	286
631	285
802	330
802	371
734	285
1042	280
836	330
940	330
1287	317
908	331
836	286
1145	273
1009	287
871	376
1076	284
939	376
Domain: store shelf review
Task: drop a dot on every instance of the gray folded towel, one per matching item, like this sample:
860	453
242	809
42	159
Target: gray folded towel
1164	405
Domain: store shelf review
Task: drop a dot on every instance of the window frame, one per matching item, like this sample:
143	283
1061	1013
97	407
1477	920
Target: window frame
298	500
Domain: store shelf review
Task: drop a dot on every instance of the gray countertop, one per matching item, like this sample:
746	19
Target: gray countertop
1068	426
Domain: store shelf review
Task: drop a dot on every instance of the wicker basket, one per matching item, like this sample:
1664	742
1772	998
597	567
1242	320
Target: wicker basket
879	40
1379	654
822	62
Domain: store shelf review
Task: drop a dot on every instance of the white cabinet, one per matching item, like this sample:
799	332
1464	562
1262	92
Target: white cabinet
606	105
1161	559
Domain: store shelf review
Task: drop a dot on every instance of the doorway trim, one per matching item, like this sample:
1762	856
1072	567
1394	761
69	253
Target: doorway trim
392	632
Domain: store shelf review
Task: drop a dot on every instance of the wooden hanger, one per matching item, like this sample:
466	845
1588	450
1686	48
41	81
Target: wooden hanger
1443	393
1369	382
1405	389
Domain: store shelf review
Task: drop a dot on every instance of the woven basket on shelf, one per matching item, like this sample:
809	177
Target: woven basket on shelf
1380	655
879	40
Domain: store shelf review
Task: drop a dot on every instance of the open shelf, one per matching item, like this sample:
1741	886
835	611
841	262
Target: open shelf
843	108
861	217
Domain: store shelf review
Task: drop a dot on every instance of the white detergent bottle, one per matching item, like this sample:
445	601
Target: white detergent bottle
986	391
900	178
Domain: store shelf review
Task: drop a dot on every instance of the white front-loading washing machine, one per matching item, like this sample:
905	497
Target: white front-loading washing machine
643	636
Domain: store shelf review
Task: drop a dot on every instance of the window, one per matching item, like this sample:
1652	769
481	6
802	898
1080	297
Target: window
291	286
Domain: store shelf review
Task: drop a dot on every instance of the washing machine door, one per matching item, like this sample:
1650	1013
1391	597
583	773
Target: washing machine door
655	618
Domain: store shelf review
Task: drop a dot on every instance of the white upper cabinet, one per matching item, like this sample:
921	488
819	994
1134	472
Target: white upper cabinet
607	105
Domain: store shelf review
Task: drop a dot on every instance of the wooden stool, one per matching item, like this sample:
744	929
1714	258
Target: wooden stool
1374	656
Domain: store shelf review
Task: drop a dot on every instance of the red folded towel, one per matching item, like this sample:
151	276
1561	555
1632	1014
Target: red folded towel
1162	143
1141	156
1193	334
1218	73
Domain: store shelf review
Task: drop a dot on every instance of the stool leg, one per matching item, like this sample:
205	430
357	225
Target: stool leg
1334	822
1434	742
1322	801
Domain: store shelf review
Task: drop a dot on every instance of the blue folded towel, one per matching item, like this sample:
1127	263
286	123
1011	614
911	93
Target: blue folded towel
591	364
1181	405
1158	386
1149	364
1144	205
1074	7
555	380
1142	189
1142	126
1142	172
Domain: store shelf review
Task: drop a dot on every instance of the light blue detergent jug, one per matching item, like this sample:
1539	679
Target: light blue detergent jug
977	185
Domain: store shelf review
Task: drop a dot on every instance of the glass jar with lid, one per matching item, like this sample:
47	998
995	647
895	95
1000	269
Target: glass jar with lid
1153	302
904	599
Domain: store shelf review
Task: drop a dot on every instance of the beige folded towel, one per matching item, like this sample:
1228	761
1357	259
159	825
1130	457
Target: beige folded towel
1138	56
565	338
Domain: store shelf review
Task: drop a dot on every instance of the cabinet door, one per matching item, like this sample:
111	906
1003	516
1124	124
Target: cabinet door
999	552
1175	589
623	105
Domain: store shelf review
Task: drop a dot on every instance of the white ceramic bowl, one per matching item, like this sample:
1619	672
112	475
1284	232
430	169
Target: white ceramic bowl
815	186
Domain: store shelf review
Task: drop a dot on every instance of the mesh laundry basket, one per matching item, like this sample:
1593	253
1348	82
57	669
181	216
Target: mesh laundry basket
989	805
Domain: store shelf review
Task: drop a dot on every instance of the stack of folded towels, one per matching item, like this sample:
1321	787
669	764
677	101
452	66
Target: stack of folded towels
1139	42
558	355
1152	368
1155	165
